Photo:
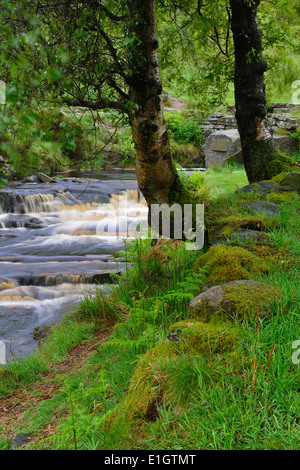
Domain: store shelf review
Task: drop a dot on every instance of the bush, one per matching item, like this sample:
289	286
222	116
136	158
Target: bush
184	130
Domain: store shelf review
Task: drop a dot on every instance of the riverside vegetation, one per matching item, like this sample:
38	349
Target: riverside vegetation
158	361
136	369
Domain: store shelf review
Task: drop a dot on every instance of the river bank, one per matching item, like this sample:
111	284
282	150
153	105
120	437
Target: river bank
133	381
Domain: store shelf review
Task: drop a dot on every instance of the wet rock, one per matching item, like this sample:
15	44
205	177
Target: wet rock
235	299
6	233
264	207
263	187
31	179
45	178
41	331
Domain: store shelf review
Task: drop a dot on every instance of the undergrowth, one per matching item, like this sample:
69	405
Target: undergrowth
143	388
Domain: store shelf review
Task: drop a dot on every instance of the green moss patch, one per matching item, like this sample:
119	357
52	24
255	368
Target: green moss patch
280	163
282	179
227	263
277	197
146	391
239	300
227	226
205	338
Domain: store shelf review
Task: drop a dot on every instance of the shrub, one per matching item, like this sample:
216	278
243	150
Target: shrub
184	130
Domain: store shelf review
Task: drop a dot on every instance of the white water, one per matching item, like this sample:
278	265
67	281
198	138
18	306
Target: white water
58	242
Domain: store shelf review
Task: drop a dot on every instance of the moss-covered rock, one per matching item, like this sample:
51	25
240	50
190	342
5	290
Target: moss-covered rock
224	263
292	180
204	338
228	226
263	187
146	390
264	207
279	164
269	254
282	177
241	237
282	198
236	299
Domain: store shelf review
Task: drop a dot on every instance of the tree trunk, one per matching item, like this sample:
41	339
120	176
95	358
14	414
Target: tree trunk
261	157
157	176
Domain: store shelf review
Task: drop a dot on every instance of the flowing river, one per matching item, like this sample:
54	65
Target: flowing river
58	241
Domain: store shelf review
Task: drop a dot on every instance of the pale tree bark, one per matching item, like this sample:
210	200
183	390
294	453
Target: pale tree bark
156	173
261	157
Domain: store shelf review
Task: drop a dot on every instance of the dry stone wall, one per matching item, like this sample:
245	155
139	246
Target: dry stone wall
277	118
221	141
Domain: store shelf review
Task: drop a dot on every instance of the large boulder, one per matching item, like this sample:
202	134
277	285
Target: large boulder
235	300
221	147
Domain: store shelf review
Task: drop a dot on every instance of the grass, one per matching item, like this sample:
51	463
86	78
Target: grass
222	181
80	389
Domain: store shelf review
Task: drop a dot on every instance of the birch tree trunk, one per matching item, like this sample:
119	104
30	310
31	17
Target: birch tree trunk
157	176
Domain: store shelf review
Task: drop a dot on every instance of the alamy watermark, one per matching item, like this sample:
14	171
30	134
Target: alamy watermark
296	354
181	223
178	222
2	353
296	94
2	92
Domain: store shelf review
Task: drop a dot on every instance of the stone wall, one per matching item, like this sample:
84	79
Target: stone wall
277	118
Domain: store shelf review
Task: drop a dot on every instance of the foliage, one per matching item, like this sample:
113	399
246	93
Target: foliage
183	129
241	397
171	377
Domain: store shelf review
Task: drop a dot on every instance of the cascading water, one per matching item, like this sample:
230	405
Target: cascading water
55	235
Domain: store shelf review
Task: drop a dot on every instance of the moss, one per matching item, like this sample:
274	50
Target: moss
244	299
226	226
227	263
280	163
269	254
265	161
146	390
235	300
205	338
281	198
254	222
278	179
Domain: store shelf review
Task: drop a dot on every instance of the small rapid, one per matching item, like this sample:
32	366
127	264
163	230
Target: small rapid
55	236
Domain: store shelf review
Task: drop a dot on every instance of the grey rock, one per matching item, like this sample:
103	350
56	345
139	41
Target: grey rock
263	207
31	179
20	439
263	187
222	146
45	178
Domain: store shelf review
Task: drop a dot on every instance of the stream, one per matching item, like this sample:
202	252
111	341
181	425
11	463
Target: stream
58	242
